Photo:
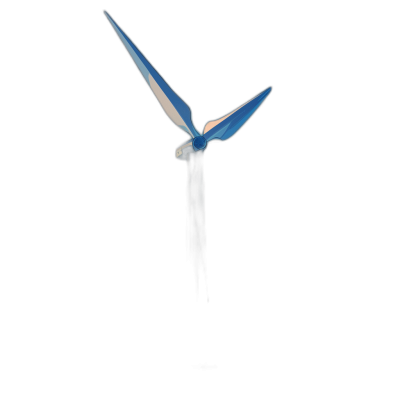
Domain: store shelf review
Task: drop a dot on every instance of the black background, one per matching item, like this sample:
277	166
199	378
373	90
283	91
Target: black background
117	194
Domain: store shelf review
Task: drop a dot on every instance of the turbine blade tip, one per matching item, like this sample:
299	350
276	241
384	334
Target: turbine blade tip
266	92
108	16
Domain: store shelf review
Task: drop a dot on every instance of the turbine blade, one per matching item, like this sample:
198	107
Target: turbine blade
172	104
225	127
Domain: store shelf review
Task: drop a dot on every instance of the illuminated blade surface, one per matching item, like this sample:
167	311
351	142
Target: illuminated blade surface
225	127
172	104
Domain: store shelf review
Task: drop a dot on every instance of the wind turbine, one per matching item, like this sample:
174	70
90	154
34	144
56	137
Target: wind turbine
192	151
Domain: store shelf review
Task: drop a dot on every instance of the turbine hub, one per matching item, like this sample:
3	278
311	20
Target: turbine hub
199	143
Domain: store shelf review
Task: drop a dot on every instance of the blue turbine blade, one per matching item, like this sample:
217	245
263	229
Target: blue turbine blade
226	126
172	104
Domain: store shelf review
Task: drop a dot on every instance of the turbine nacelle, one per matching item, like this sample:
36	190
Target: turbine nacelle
192	145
